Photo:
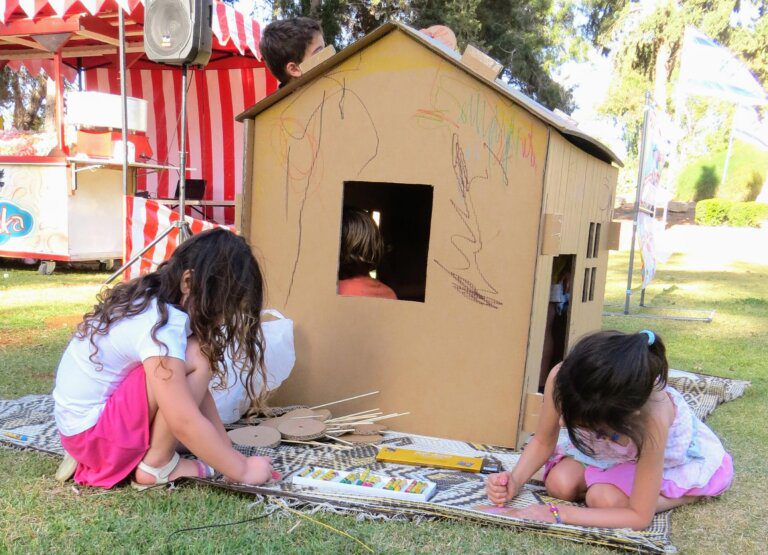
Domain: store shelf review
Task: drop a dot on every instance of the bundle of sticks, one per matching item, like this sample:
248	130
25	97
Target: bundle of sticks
307	426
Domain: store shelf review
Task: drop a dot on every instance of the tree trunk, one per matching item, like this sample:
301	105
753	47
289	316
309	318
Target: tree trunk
661	71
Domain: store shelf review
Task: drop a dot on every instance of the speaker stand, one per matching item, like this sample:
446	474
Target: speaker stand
181	224
184	231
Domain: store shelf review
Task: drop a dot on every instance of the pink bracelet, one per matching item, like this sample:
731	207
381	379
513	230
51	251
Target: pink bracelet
555	513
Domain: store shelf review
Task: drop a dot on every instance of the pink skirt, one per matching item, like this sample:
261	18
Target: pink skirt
109	451
623	477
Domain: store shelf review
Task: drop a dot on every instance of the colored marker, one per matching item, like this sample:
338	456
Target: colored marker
17	437
363	477
330	475
305	472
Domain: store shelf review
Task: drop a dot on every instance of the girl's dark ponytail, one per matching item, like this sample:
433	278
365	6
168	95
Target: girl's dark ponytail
657	357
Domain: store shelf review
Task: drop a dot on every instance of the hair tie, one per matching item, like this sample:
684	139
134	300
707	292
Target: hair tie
651	336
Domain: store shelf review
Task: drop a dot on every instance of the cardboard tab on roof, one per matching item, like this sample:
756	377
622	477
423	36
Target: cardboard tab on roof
481	63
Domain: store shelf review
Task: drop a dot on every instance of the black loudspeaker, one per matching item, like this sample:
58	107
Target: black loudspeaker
178	32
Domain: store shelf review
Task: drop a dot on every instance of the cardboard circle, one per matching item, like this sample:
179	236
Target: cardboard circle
305	429
358	438
272	422
369	429
255	436
295	413
324	414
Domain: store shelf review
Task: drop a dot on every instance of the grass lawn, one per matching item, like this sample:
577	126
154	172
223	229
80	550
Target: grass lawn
37	314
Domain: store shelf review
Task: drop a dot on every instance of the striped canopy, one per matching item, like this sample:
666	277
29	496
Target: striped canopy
234	79
231	28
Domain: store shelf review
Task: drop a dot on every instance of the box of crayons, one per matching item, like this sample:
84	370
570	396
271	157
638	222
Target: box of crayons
364	482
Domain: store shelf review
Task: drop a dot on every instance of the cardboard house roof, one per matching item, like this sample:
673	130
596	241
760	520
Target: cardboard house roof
570	131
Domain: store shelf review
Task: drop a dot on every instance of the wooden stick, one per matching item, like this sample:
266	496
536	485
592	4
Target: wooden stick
349	443
360	416
345	400
371	420
300	417
386	417
302	442
353	414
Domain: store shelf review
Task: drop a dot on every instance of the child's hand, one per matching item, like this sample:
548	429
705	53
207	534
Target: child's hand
258	470
501	487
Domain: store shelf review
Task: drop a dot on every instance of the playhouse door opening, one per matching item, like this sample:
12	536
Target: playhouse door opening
558	315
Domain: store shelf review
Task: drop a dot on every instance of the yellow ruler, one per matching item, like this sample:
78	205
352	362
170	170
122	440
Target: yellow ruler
424	458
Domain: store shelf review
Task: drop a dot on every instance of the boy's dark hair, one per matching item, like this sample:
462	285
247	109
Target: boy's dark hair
286	41
361	244
605	380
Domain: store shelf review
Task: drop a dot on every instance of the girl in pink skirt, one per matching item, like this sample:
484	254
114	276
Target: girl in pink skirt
133	382
631	446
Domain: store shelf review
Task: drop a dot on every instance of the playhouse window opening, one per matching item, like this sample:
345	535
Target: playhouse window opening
590	238
402	214
596	242
588	287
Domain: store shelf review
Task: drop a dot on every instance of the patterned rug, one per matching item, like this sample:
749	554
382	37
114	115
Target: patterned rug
28	423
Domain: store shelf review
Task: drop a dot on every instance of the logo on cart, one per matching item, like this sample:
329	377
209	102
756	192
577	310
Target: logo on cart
14	221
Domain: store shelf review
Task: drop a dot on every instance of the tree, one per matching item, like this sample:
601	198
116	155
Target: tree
529	38
646	47
24	95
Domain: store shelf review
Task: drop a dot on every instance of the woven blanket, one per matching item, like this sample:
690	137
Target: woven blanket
460	495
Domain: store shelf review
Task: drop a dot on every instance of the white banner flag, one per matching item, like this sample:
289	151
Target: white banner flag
748	127
709	69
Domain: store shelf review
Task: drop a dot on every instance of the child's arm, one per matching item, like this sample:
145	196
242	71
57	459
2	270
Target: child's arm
504	486
166	376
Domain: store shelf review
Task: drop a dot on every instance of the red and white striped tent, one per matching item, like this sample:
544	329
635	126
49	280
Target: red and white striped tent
234	79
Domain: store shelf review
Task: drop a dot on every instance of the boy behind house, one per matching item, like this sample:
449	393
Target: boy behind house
285	44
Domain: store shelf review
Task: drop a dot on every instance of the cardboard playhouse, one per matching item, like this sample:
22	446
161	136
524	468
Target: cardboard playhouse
480	193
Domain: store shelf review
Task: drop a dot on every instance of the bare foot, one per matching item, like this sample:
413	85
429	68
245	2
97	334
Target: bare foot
186	467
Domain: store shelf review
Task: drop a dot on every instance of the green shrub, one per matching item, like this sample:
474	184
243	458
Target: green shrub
747	214
713	211
700	178
707	183
718	211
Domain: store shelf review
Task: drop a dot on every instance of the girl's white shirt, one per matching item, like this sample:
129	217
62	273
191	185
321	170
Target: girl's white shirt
82	387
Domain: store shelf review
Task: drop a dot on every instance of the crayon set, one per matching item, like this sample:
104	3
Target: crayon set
364	482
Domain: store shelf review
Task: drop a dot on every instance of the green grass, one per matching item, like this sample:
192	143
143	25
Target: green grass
701	178
39	515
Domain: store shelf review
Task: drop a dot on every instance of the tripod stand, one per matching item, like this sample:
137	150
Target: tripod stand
180	224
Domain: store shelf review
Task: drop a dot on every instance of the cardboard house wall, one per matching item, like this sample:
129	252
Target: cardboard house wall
396	114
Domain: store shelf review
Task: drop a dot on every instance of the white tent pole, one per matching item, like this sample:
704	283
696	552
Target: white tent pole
123	97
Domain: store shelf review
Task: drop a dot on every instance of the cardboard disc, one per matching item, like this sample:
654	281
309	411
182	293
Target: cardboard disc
272	422
358	438
369	429
324	414
255	436
299	412
305	429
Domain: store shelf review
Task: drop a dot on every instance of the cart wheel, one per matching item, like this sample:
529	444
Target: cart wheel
107	265
46	267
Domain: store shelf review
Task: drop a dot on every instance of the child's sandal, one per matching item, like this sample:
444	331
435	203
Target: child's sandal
66	468
163	473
